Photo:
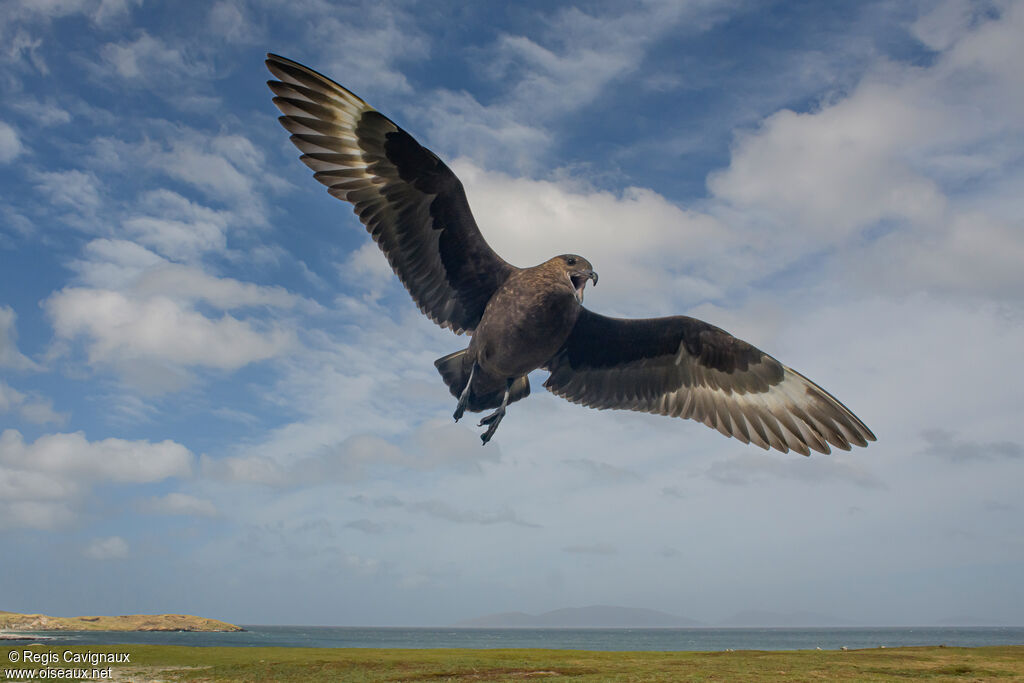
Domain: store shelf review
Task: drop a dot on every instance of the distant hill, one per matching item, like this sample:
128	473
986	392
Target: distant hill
11	621
762	618
595	616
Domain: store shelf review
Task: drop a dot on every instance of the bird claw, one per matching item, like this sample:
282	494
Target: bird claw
460	410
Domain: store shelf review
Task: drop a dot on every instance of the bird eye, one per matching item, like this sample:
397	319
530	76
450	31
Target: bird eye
571	260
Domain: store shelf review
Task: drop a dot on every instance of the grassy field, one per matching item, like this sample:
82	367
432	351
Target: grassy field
171	663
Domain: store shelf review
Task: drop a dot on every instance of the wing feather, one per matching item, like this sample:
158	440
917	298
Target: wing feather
411	203
684	367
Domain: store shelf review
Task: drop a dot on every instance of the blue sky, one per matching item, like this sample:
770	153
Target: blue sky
216	399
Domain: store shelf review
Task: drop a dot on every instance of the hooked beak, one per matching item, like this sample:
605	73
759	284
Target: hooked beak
579	281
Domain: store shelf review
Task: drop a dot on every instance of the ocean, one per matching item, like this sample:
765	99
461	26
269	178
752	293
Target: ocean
658	639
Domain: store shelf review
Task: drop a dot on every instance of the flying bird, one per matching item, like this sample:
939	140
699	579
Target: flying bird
524	319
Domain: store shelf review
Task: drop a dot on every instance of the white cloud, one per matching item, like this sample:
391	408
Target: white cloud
44	113
120	328
898	153
230	21
42	483
111	10
97	10
75	189
115	460
108	548
224	167
180	504
176	239
652	256
137	272
216	175
10	356
192	284
946	23
31	408
368	40
10	144
138	314
145	58
834	171
573	60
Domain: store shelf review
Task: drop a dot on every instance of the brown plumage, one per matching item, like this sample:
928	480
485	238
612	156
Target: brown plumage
522	319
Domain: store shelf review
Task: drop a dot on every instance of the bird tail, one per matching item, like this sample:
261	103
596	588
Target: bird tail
455	370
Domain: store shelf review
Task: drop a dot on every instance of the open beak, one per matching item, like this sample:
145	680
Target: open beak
579	281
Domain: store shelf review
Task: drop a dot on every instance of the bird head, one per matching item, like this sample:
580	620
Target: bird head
578	270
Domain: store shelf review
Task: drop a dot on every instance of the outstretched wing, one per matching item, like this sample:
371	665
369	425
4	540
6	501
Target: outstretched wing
684	367
408	199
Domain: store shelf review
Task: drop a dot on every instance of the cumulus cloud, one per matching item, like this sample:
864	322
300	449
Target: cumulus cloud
139	314
119	328
44	482
130	268
893	156
836	170
651	254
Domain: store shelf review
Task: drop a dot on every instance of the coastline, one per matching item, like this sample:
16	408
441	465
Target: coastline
14	623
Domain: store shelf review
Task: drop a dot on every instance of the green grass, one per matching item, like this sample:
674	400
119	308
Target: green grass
173	663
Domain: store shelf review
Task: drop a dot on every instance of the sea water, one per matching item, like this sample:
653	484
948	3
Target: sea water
663	639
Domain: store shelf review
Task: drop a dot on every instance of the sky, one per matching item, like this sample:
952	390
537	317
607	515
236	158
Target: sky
216	399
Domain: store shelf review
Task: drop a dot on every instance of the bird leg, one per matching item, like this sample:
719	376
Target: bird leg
494	419
460	409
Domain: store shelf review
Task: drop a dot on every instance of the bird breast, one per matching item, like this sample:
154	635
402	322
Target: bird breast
525	323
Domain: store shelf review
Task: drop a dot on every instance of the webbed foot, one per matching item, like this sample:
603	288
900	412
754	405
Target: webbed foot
492	421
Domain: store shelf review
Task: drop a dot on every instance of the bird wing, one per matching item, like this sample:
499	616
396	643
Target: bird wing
685	367
411	203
